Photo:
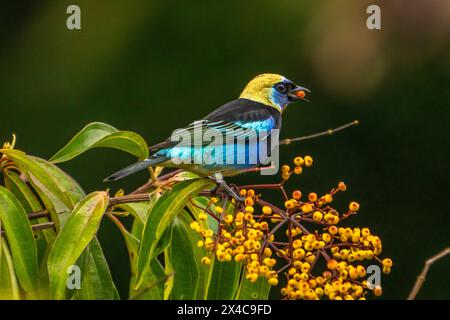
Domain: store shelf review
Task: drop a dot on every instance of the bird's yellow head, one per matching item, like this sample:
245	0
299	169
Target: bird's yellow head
273	90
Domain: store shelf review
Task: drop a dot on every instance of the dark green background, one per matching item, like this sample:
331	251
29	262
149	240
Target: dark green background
152	66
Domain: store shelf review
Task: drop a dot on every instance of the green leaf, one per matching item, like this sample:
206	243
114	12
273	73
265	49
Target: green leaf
161	215
9	287
31	204
20	238
67	184
224	280
49	187
73	238
139	210
164	242
258	290
102	135
152	288
97	283
190	275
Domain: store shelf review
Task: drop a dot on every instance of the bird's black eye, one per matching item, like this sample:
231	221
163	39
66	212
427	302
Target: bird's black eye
281	88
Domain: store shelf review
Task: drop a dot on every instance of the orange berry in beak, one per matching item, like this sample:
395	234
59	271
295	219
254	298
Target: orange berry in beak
300	94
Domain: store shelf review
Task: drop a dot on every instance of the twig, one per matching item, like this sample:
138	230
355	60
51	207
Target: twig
320	134
152	182
34	227
129	198
38	214
421	277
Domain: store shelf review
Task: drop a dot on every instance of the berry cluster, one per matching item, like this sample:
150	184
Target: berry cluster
317	258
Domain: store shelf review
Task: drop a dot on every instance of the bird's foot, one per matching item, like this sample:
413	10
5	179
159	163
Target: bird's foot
221	183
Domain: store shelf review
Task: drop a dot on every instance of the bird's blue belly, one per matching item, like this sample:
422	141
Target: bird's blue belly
204	160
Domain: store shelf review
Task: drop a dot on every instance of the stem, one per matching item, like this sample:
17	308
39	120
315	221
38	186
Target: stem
421	277
152	183
35	227
129	198
320	134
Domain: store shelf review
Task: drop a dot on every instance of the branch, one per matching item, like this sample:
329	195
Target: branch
34	227
320	134
421	277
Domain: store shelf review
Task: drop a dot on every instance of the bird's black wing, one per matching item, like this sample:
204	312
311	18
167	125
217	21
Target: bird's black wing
235	115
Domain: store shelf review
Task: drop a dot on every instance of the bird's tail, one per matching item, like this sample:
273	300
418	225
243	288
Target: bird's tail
135	167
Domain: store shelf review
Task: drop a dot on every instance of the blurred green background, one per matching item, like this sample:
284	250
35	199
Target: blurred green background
153	66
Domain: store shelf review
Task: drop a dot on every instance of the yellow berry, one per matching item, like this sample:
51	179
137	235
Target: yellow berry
298	170
285	175
275	218
267	252
306	208
252	277
228	219
308	161
273	281
239	257
298	161
285	169
297	244
317	216
365	232
243	192
219	210
354	206
333	230
309	257
328	198
249	209
387	263
202	216
289	204
214	200
326	237
206	261
199	243
267	210
361	271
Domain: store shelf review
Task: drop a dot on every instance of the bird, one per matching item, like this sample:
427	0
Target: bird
255	115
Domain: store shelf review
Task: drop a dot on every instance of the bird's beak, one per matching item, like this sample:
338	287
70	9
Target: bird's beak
298	93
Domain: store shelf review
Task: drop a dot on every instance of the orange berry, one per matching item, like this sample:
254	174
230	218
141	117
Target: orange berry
312	197
297	194
332	264
378	291
249	201
300	94
298	170
342	186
